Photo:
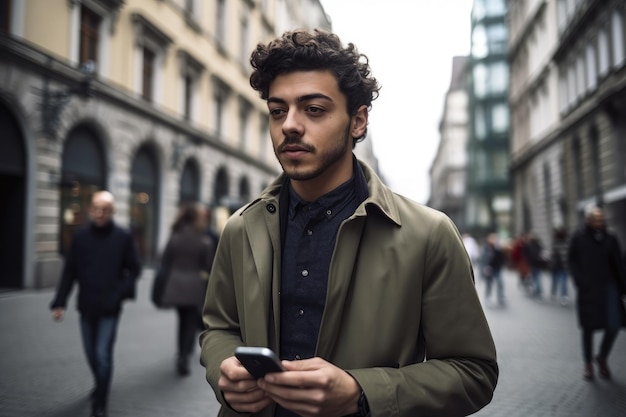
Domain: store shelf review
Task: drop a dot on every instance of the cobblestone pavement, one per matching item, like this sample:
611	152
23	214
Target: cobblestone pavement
43	372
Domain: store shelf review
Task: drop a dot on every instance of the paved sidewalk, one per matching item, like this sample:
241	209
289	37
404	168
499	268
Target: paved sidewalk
43	372
540	359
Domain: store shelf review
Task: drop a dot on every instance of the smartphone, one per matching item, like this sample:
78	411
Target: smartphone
258	360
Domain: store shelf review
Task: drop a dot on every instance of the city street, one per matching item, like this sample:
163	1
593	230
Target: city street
43	372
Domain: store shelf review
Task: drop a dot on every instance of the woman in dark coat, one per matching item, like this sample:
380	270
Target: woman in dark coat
595	263
187	261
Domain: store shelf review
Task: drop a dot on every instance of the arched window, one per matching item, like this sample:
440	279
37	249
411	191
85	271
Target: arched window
12	209
221	187
144	202
244	190
189	190
82	173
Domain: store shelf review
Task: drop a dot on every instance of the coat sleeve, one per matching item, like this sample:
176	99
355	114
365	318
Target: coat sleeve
66	282
131	268
220	315
460	372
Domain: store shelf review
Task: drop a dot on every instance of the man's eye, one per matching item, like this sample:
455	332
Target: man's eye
276	112
315	110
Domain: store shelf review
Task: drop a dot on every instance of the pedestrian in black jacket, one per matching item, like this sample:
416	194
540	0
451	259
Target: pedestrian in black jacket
103	261
595	263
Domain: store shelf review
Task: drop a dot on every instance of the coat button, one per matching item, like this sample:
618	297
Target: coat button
271	208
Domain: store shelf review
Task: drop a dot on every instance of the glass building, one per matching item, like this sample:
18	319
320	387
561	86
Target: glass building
488	207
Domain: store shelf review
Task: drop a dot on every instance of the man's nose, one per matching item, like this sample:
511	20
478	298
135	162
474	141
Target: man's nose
292	124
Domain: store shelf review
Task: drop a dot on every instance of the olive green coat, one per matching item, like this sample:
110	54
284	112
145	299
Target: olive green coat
402	314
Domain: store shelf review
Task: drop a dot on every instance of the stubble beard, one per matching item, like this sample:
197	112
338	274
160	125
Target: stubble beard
294	169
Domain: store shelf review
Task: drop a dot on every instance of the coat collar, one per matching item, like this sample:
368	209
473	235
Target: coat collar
379	196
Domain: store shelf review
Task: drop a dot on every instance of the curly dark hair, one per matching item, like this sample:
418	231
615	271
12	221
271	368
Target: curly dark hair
301	50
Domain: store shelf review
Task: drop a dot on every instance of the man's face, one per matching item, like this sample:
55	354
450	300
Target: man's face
101	212
596	219
310	128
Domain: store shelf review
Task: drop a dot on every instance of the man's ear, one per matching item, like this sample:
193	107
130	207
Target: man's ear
359	122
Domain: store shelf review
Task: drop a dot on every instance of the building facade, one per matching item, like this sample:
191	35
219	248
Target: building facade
448	169
488	192
573	153
147	98
536	154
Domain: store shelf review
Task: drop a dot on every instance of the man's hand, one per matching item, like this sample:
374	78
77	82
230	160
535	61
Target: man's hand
240	388
57	313
313	387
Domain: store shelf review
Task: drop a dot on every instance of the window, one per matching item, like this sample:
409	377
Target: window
603	53
245	35
480	127
150	51
580	76
500	118
497	38
562	14
571	85
221	93
480	80
498	77
495	7
479	42
5	16
244	117
220	23
89	36
617	30
93	23
190	71
563	95
190	6
594	144
591	67
578	166
147	87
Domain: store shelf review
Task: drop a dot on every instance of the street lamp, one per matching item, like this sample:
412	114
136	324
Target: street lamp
53	102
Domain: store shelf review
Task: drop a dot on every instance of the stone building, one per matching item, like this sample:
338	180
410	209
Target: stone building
488	192
147	98
573	151
536	154
448	169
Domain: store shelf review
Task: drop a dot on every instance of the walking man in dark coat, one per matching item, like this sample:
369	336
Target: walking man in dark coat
103	260
594	258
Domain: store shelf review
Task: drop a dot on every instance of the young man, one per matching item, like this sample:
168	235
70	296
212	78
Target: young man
367	297
103	260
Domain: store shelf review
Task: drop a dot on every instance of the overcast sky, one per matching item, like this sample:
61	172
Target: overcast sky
410	45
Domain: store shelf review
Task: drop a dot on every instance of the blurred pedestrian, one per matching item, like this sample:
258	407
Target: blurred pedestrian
103	261
186	264
492	263
594	258
533	253
520	263
367	297
558	266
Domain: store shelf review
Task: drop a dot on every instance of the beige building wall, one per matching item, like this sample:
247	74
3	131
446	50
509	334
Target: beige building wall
40	69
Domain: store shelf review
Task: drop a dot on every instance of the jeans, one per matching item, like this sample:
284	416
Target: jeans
497	277
559	280
536	277
98	335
